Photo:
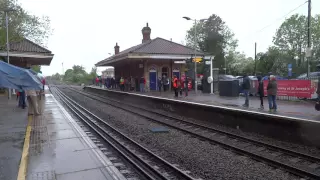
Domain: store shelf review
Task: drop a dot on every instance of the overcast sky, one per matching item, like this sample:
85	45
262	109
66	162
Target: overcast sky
86	31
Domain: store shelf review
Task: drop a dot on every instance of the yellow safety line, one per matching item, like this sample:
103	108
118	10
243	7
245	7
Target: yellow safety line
25	153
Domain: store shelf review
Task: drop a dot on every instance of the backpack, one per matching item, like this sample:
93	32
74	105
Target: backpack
317	105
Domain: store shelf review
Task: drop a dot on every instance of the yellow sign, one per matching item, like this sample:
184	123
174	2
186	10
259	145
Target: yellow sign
197	60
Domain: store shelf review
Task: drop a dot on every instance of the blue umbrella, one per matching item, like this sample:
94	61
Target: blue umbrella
4	83
19	77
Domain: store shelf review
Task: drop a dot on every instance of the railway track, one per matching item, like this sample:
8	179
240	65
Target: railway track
300	164
148	164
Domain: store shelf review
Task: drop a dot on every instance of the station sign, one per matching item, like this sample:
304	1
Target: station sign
197	60
179	62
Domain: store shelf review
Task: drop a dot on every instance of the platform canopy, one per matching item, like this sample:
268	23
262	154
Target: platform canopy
157	48
25	53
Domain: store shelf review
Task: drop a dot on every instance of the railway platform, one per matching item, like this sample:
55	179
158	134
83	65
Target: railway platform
60	150
13	123
295	109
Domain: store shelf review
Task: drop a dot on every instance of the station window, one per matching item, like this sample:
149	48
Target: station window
165	71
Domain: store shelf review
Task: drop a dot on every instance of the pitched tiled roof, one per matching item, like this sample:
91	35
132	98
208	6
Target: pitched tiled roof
26	45
163	46
155	46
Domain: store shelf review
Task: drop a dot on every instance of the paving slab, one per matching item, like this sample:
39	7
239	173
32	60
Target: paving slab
13	123
60	149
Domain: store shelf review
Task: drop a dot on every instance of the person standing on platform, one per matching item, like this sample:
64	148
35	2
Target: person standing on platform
272	89
33	102
22	99
261	91
175	85
142	83
97	81
43	81
121	84
18	94
246	89
160	82
132	84
180	86
186	83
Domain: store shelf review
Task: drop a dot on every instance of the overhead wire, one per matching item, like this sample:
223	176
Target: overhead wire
282	17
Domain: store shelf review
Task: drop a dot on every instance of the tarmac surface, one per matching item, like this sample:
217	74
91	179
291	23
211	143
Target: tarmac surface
13	123
298	108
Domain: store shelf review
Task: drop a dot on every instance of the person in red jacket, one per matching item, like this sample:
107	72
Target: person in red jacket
175	85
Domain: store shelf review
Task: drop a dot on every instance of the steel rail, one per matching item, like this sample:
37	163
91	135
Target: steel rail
149	171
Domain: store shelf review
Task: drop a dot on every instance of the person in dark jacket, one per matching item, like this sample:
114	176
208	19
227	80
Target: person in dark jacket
186	83
261	91
246	88
272	90
160	83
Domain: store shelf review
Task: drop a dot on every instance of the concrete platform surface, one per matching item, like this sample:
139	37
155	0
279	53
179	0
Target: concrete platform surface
13	123
61	150
299	109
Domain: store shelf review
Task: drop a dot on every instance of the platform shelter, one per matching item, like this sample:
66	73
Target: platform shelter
151	59
25	53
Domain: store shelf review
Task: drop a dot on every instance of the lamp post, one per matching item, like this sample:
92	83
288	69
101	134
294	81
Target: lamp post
308	52
195	50
6	11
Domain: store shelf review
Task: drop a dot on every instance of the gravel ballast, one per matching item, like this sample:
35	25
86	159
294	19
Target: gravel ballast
204	160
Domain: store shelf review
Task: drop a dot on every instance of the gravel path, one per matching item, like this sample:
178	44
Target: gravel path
204	160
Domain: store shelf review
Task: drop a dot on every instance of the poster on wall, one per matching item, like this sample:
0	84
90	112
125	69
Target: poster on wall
294	88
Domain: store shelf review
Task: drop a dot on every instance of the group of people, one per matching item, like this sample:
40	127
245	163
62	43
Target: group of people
179	85
163	83
124	84
131	84
272	89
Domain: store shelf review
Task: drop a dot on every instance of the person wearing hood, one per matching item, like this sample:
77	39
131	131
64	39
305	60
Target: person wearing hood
261	91
246	89
272	90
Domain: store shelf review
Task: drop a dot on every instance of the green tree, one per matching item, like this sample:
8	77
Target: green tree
274	60
78	75
291	39
238	64
36	68
213	37
23	24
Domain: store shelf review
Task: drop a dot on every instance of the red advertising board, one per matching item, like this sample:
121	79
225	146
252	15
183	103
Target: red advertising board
297	88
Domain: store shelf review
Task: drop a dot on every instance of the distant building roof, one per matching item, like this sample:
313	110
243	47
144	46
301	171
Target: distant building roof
157	46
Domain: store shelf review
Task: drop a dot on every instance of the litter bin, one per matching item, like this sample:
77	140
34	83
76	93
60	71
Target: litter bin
229	88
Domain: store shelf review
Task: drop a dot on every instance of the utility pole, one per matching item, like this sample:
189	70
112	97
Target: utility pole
255	58
308	52
6	11
62	69
195	57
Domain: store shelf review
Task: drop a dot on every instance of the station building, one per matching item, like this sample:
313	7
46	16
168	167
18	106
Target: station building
150	59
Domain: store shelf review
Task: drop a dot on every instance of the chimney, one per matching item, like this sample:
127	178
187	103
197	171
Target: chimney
116	49
146	31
